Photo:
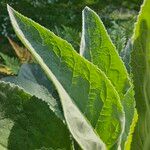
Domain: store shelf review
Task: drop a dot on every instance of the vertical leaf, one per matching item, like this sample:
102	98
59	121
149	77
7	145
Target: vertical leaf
97	47
140	62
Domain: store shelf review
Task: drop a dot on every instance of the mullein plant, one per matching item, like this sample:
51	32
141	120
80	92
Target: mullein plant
77	101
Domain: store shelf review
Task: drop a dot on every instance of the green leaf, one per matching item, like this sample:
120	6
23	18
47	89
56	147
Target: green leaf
97	47
83	84
140	62
27	123
130	117
33	80
132	127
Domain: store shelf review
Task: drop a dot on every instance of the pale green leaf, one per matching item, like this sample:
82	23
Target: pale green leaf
97	47
27	123
83	84
132	127
140	62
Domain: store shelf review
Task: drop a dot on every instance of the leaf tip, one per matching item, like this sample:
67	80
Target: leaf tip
86	9
10	12
9	9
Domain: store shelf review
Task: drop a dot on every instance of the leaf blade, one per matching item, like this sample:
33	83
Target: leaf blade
96	43
33	80
140	69
97	47
67	67
28	123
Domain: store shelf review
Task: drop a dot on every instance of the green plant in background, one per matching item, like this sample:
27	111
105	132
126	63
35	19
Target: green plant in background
118	11
67	24
78	101
118	36
10	66
69	34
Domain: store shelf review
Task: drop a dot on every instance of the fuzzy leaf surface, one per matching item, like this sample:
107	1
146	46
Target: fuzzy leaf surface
33	80
83	83
27	123
97	47
140	62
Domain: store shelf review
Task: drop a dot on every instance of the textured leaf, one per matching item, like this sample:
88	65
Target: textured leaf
140	62
27	123
132	128
87	86
33	80
97	47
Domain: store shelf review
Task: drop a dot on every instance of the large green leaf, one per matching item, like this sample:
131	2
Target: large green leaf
33	80
97	47
83	83
27	123
140	62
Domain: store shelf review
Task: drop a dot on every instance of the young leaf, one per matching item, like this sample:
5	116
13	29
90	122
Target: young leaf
27	122
83	84
97	47
140	62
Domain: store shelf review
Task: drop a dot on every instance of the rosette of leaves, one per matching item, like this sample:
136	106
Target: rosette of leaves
89	96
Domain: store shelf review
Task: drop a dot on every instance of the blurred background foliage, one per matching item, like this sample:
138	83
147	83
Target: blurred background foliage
64	18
